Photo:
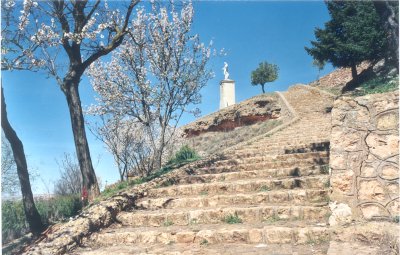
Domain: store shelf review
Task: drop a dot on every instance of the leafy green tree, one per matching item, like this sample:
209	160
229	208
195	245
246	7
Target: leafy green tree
353	35
265	72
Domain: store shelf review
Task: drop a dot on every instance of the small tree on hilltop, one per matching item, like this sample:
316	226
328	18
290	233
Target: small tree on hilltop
353	35
264	73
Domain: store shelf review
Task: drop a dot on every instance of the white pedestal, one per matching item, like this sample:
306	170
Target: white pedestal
227	93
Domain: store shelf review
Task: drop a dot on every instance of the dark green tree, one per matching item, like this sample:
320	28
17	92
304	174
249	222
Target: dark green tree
354	34
265	72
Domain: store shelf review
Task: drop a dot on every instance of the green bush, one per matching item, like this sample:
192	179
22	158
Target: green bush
58	208
185	153
13	220
51	210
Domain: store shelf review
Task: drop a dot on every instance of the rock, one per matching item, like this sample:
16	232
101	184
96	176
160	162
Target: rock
341	214
371	190
389	172
388	121
342	182
383	146
394	208
373	210
255	235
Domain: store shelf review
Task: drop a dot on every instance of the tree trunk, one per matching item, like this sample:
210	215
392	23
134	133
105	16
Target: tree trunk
262	87
354	72
89	180
387	17
158	160
32	216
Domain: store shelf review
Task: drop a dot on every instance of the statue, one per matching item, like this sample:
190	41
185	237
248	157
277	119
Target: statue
225	68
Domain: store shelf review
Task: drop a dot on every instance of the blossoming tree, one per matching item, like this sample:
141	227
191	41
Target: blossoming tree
65	38
156	73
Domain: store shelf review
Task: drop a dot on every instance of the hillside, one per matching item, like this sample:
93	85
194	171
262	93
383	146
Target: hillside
263	186
235	124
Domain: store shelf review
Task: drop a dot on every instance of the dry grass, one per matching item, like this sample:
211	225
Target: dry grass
213	142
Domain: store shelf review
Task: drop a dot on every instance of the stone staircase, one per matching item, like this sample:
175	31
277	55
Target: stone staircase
269	196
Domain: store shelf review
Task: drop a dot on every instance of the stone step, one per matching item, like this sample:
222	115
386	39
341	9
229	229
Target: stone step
220	215
275	150
281	144
213	234
246	159
294	197
204	248
230	166
267	173
243	186
271	147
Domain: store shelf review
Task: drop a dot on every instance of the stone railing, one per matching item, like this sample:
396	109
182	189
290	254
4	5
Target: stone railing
364	156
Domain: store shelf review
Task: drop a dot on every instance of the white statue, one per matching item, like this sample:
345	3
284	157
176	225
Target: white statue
225	68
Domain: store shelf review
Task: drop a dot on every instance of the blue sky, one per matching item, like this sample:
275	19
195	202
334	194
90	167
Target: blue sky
250	32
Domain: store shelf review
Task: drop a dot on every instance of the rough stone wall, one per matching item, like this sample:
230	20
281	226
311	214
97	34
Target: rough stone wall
364	156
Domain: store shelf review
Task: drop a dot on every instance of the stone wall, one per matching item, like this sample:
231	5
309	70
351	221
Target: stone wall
364	156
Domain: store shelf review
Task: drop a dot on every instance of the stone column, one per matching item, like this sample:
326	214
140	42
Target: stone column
227	93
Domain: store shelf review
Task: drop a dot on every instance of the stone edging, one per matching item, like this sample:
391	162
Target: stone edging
319	90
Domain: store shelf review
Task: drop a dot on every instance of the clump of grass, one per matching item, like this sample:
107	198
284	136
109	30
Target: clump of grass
272	219
264	188
233	219
204	193
324	169
168	183
327	184
185	153
168	223
204	242
316	240
193	222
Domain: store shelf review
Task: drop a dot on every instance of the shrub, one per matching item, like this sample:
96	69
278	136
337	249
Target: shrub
185	153
58	208
51	210
13	220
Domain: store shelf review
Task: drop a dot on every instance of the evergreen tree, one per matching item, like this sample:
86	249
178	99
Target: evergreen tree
264	73
353	35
